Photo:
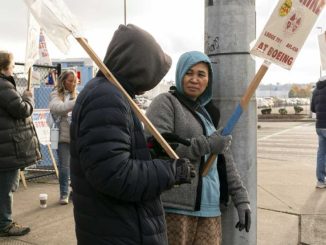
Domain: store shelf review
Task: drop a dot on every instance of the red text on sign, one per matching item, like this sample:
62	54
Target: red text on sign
314	5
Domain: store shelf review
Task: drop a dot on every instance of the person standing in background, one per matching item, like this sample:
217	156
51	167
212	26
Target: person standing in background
62	101
318	106
19	145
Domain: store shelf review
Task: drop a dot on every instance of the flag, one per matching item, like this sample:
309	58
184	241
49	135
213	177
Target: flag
58	23
56	20
31	53
322	48
44	57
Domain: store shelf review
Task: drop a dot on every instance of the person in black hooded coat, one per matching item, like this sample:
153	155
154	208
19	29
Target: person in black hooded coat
116	185
318	106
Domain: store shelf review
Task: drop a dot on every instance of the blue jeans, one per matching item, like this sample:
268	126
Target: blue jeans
64	168
321	154
9	182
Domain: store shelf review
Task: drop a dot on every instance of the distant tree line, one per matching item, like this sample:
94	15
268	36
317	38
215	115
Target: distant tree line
300	91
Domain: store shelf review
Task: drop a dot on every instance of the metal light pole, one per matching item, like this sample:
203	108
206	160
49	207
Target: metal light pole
229	28
320	68
125	11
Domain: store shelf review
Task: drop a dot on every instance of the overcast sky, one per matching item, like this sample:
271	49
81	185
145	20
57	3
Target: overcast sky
178	25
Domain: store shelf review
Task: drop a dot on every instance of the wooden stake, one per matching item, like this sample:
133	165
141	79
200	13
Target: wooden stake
22	177
29	80
244	104
54	162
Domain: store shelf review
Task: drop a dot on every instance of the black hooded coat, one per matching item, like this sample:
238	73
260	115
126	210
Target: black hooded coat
19	145
116	185
318	103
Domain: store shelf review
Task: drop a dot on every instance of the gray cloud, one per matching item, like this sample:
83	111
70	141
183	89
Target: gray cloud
177	25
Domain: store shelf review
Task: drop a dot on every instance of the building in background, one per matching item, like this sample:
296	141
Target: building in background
273	90
84	67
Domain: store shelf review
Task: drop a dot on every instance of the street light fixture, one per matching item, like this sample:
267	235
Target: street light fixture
125	11
320	68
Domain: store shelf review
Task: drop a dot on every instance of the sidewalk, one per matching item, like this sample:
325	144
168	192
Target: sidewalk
290	211
53	225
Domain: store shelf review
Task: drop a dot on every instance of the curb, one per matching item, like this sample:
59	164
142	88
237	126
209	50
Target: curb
287	120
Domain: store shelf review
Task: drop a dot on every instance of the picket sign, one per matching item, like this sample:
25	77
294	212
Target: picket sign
58	23
42	123
31	52
280	43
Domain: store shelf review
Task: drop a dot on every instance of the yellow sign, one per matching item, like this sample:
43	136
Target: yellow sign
285	8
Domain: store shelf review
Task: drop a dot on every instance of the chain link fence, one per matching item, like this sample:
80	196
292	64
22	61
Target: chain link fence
43	83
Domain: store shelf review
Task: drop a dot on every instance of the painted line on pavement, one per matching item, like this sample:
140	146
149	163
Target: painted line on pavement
283	131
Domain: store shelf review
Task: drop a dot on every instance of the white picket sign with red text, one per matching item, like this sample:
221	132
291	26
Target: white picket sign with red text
286	31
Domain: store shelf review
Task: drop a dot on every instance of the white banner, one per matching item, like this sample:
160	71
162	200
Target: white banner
322	48
36	79
286	31
40	119
44	57
31	53
56	20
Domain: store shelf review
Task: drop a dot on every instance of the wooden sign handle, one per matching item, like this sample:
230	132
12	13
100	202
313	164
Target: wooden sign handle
240	108
29	79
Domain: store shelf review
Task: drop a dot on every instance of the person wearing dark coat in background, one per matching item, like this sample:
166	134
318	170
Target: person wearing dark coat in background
115	182
318	106
19	145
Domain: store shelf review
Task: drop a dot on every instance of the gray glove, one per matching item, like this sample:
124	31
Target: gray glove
27	94
183	171
244	214
28	97
219	143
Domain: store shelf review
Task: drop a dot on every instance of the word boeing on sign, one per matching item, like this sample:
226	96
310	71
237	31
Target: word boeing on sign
286	31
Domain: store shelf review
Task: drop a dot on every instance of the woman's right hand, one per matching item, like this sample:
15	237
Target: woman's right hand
27	93
219	143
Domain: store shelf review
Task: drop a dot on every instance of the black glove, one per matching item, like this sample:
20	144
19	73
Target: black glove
183	171
244	214
156	149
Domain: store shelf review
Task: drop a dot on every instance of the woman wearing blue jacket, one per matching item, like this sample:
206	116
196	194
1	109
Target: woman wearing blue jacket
193	211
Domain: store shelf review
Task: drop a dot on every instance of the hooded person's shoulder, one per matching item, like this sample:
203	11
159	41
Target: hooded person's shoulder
164	101
164	98
100	89
321	84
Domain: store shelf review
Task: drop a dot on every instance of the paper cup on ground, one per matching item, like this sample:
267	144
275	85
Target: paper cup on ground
43	200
